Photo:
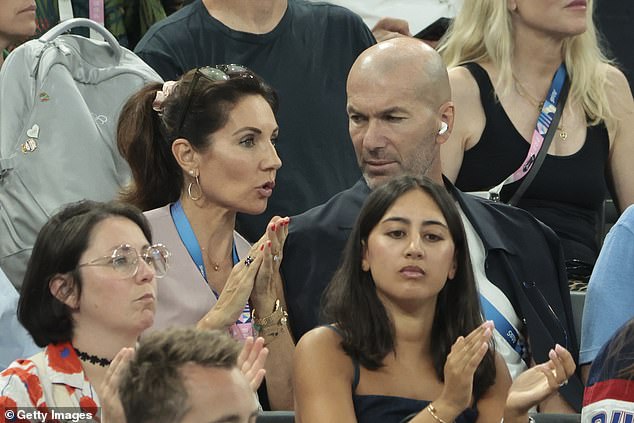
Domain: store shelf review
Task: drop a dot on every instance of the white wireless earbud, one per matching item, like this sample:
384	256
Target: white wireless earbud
443	128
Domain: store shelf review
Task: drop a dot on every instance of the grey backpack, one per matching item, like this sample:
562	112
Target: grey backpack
60	99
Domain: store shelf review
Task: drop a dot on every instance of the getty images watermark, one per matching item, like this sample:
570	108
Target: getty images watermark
61	415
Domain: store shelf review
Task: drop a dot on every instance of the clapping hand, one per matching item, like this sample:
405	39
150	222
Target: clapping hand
462	362
111	408
251	361
236	291
268	281
539	382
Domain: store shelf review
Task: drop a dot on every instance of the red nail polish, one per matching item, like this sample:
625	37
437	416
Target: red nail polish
262	247
273	227
269	243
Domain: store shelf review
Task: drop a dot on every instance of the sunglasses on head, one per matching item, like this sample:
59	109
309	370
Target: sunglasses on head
213	74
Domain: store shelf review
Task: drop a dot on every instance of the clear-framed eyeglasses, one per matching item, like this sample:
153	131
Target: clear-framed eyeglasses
125	260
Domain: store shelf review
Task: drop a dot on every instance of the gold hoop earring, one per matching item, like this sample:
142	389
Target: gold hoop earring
200	190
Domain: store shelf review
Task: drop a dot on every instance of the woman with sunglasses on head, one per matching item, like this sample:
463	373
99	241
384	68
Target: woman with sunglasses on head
201	150
407	340
88	293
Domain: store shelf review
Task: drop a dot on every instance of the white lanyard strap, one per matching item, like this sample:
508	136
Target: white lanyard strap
65	10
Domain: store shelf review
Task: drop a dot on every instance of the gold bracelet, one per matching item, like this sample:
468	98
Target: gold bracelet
432	410
272	325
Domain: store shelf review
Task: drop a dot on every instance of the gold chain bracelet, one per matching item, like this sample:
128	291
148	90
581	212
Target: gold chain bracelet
432	410
272	325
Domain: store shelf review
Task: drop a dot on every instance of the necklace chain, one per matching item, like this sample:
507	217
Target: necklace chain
214	265
523	92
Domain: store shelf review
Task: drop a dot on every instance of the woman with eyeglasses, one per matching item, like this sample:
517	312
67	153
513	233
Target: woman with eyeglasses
88	293
407	340
201	150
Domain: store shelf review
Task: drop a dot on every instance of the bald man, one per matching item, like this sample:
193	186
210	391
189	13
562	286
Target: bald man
400	113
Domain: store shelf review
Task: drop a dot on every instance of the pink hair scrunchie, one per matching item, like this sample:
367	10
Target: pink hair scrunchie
168	88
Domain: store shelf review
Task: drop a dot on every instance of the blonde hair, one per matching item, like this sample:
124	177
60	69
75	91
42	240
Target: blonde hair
483	31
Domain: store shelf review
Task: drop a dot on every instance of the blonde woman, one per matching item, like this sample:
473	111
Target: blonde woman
503	55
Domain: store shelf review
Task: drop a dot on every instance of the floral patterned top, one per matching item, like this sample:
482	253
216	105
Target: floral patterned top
51	378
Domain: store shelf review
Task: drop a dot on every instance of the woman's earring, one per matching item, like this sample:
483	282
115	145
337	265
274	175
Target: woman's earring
189	189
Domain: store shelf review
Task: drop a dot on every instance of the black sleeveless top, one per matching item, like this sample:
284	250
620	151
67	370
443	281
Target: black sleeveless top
567	191
390	409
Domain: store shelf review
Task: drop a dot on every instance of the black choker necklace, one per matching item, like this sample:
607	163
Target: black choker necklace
103	362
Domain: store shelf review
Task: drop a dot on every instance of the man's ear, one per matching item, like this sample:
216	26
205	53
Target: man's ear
185	155
446	113
62	287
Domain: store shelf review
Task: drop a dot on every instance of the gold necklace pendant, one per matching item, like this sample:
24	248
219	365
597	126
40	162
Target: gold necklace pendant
562	133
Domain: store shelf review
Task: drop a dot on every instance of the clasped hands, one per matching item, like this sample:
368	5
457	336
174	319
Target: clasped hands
256	278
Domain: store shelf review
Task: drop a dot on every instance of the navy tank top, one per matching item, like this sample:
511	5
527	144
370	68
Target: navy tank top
567	191
390	409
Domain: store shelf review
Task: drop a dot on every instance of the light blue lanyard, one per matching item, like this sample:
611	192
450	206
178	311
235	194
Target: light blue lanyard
545	118
243	326
188	237
502	325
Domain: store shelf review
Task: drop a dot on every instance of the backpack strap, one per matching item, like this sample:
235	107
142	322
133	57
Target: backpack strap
63	27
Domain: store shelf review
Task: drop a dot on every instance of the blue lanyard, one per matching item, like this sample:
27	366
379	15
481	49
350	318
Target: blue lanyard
188	237
552	98
502	325
545	118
